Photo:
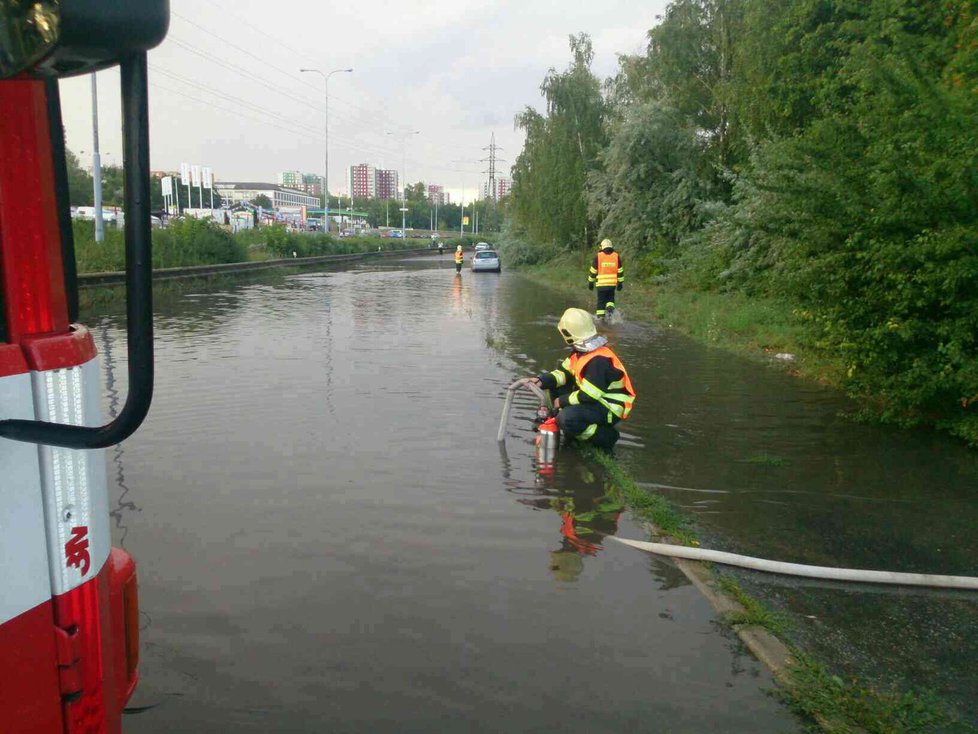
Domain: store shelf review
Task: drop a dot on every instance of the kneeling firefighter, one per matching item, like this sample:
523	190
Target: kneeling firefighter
590	389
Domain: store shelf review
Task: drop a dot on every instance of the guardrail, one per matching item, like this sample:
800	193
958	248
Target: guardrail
92	280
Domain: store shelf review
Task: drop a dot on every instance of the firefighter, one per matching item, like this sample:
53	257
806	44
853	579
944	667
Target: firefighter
458	259
591	389
609	275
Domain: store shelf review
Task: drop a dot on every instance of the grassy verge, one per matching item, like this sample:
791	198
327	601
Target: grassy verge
754	327
191	242
823	700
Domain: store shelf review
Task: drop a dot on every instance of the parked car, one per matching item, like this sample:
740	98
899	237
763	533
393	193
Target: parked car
396	234
483	246
486	260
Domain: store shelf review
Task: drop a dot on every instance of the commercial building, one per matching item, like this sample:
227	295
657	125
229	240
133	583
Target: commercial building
236	192
310	183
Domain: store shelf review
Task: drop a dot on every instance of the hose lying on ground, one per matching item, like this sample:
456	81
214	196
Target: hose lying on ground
798	569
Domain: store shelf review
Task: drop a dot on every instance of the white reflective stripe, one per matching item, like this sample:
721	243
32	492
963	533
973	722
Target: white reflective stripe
23	548
76	507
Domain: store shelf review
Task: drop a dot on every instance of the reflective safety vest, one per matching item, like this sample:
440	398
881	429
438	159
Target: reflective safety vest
617	398
609	269
458	256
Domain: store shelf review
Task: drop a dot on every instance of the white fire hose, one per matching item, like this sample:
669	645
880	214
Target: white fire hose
798	569
528	384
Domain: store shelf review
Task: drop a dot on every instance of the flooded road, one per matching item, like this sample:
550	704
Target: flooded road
329	538
768	465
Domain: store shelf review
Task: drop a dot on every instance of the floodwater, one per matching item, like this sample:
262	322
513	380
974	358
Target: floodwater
329	538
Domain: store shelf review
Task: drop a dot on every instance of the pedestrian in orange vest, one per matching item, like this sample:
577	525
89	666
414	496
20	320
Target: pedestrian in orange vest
608	274
592	391
459	257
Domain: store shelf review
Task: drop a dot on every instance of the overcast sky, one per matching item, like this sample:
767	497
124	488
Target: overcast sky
225	90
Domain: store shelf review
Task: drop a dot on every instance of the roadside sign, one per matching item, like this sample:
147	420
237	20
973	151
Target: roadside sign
167	183
208	176
465	220
185	174
195	175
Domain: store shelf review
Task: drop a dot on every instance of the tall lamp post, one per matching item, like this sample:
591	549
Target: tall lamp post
326	77
404	137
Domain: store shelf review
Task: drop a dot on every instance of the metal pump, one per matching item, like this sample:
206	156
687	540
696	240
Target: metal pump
548	435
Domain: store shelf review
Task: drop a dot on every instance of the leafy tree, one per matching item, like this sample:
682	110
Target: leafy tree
80	190
262	201
561	148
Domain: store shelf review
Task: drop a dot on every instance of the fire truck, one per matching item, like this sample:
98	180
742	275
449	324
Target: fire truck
69	615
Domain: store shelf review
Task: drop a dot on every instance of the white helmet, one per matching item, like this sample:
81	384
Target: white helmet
459	248
576	326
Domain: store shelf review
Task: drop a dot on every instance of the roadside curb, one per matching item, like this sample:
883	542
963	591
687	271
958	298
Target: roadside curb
767	648
92	280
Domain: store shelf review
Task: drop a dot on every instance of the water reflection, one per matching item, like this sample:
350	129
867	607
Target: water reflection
123	505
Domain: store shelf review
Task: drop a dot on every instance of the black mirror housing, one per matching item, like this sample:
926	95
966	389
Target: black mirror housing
79	36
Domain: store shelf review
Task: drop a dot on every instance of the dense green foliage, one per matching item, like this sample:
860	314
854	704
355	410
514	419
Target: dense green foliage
184	242
562	146
189	242
823	153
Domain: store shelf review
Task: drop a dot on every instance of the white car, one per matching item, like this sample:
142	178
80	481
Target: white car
486	260
483	246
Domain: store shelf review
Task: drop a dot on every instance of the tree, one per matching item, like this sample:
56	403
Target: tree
263	201
80	189
561	148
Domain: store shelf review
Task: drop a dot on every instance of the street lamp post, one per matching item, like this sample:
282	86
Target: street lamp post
404	137
96	166
326	77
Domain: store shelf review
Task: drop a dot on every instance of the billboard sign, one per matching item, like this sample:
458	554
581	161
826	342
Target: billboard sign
195	175
167	183
208	177
184	174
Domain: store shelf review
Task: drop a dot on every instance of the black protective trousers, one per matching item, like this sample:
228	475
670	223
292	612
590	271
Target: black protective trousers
606	300
588	421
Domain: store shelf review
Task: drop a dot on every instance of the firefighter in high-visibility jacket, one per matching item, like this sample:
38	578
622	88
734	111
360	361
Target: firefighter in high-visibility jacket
608	274
591	389
458	259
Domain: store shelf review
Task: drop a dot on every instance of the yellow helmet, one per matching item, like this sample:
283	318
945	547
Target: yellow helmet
606	243
576	326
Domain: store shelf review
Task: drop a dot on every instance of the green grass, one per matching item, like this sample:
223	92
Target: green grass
754	613
192	242
850	707
754	327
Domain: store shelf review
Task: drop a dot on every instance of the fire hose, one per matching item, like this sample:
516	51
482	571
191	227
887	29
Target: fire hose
528	384
829	573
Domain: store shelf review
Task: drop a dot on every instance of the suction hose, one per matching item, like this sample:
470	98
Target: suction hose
528	384
798	569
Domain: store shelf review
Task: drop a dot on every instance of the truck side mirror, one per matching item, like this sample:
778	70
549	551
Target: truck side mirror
68	37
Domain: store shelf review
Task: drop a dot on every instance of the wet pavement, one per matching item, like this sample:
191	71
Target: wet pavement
329	538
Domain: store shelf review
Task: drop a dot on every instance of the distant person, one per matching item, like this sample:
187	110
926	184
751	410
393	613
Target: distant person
441	248
609	275
458	259
590	389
